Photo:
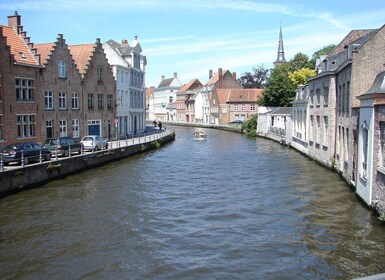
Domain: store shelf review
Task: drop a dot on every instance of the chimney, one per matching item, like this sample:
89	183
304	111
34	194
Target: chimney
210	74
15	22
162	77
235	75
136	37
98	41
124	42
175	75
219	73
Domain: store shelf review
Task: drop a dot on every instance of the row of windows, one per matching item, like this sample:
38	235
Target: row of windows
62	100
62	71
136	78
315	132
315	99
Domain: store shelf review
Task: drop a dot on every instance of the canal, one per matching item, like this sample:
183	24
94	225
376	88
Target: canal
230	207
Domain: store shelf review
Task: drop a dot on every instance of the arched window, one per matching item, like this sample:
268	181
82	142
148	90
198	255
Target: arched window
364	151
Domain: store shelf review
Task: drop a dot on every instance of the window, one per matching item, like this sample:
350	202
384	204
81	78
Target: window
24	89
326	130
252	107
364	152
326	97
63	128
224	109
318	96
100	101
311	130
48	99
61	69
382	143
25	126
75	128
99	72
318	129
170	99
75	100
49	128
62	100
90	100
236	107
109	101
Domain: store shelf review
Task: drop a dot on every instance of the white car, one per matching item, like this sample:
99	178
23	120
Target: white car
93	142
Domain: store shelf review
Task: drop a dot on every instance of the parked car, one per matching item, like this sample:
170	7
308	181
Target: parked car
63	145
94	142
237	122
29	150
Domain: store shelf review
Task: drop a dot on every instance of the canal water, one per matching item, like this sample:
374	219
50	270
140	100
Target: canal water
230	207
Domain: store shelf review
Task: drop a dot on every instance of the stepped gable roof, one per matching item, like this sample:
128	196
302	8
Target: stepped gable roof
45	51
238	95
82	55
215	77
190	86
351	37
18	47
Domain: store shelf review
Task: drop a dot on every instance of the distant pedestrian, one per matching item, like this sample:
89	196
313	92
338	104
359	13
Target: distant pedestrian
154	123
160	125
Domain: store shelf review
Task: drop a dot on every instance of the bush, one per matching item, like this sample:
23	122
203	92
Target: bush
249	127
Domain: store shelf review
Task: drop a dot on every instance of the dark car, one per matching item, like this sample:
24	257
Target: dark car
63	145
237	122
29	150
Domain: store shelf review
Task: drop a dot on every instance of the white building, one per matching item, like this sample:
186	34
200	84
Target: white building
128	66
164	99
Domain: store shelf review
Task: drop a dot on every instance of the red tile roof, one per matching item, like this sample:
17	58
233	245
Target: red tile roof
44	50
18	47
82	54
238	95
352	36
192	85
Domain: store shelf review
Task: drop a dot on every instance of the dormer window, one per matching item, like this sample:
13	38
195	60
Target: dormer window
22	55
61	69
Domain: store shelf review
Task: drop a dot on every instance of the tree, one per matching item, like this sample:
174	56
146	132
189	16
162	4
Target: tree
300	76
324	51
299	61
255	79
280	90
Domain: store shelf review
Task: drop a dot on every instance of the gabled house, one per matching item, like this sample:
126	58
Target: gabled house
164	98
98	88
185	109
206	101
61	91
20	85
237	104
128	66
300	119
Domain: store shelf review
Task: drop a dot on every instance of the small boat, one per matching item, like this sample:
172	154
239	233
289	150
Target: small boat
199	135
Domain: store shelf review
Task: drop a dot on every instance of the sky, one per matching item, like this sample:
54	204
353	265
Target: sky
190	37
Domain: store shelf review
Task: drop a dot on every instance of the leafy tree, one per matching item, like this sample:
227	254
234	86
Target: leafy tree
280	90
300	76
250	126
299	61
255	79
324	51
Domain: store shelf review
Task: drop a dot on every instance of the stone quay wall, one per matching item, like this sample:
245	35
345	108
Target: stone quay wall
33	175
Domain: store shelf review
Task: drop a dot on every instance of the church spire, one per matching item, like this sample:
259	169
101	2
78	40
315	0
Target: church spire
281	52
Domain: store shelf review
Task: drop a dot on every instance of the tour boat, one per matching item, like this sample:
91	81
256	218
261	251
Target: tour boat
199	135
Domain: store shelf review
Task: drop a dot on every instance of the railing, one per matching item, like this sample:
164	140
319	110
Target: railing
127	141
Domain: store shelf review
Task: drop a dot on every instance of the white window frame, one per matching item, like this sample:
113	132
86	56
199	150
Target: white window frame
48	99
61	69
75	100
62	100
24	89
25	126
75	128
63	128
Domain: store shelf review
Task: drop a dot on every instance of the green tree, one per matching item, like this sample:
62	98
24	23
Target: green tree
257	78
300	76
280	90
298	62
249	127
324	51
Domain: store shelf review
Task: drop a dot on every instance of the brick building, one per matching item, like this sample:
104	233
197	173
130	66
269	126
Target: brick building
185	102
20	85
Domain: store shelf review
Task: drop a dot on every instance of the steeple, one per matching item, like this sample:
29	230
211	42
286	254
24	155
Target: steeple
281	52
